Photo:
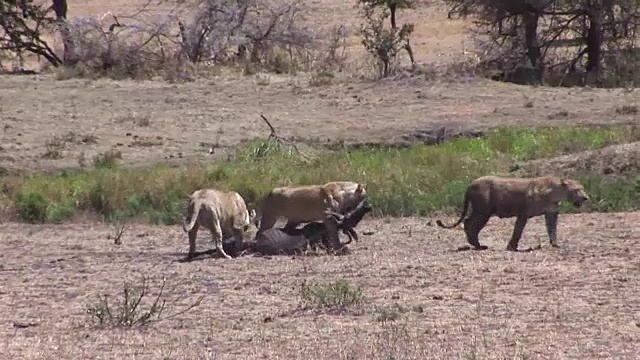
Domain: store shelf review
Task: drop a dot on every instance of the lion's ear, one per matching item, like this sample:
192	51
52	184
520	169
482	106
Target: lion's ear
564	183
361	187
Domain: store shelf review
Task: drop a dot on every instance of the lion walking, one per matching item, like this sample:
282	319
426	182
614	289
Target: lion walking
522	198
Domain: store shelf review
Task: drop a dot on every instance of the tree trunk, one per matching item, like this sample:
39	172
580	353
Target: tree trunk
69	55
530	20
594	40
392	8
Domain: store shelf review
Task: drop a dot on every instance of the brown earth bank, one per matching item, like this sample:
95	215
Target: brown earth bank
49	124
577	301
614	160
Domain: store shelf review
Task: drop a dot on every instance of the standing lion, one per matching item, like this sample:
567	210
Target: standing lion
522	198
224	213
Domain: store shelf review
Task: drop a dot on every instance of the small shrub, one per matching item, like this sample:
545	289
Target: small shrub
133	308
321	78
129	311
384	43
262	80
338	295
387	314
31	206
54	148
58	212
393	312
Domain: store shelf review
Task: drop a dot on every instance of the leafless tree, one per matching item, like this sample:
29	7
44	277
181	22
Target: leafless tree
223	30
22	24
555	37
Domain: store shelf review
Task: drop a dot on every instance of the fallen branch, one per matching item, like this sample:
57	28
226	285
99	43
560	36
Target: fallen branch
273	136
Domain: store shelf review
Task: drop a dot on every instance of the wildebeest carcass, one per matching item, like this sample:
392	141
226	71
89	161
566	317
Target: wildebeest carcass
289	241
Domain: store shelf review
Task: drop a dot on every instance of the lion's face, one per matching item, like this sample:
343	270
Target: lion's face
575	192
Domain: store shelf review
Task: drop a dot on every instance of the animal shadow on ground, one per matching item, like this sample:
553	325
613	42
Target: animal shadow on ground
227	245
484	247
247	249
468	247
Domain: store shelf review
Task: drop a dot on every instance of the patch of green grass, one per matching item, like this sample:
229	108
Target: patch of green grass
400	182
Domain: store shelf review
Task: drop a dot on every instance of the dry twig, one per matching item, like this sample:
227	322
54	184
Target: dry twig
119	231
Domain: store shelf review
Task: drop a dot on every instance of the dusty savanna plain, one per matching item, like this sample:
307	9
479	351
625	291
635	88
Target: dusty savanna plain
421	297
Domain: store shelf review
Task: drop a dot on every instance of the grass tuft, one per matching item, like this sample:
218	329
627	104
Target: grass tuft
400	182
334	296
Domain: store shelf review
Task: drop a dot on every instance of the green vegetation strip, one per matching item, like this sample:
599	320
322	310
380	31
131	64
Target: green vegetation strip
400	182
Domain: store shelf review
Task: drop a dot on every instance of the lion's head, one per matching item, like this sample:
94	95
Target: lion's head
575	192
252	218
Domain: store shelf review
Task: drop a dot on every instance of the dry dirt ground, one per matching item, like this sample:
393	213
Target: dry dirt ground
49	124
579	301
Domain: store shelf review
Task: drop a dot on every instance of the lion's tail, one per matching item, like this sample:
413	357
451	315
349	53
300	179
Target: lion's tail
193	210
465	208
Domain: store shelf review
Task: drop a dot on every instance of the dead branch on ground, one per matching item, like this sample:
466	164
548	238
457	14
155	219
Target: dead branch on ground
274	137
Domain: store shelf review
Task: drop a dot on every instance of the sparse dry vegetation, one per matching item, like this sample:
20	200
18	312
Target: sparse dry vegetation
335	297
133	309
123	108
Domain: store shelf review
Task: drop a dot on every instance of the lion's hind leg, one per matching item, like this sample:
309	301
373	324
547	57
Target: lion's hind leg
472	227
216	234
193	234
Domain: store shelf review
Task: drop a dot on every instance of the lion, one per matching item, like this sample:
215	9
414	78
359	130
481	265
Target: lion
522	198
224	213
301	204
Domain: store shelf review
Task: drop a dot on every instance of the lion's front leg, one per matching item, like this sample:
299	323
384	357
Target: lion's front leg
551	222
518	228
238	245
